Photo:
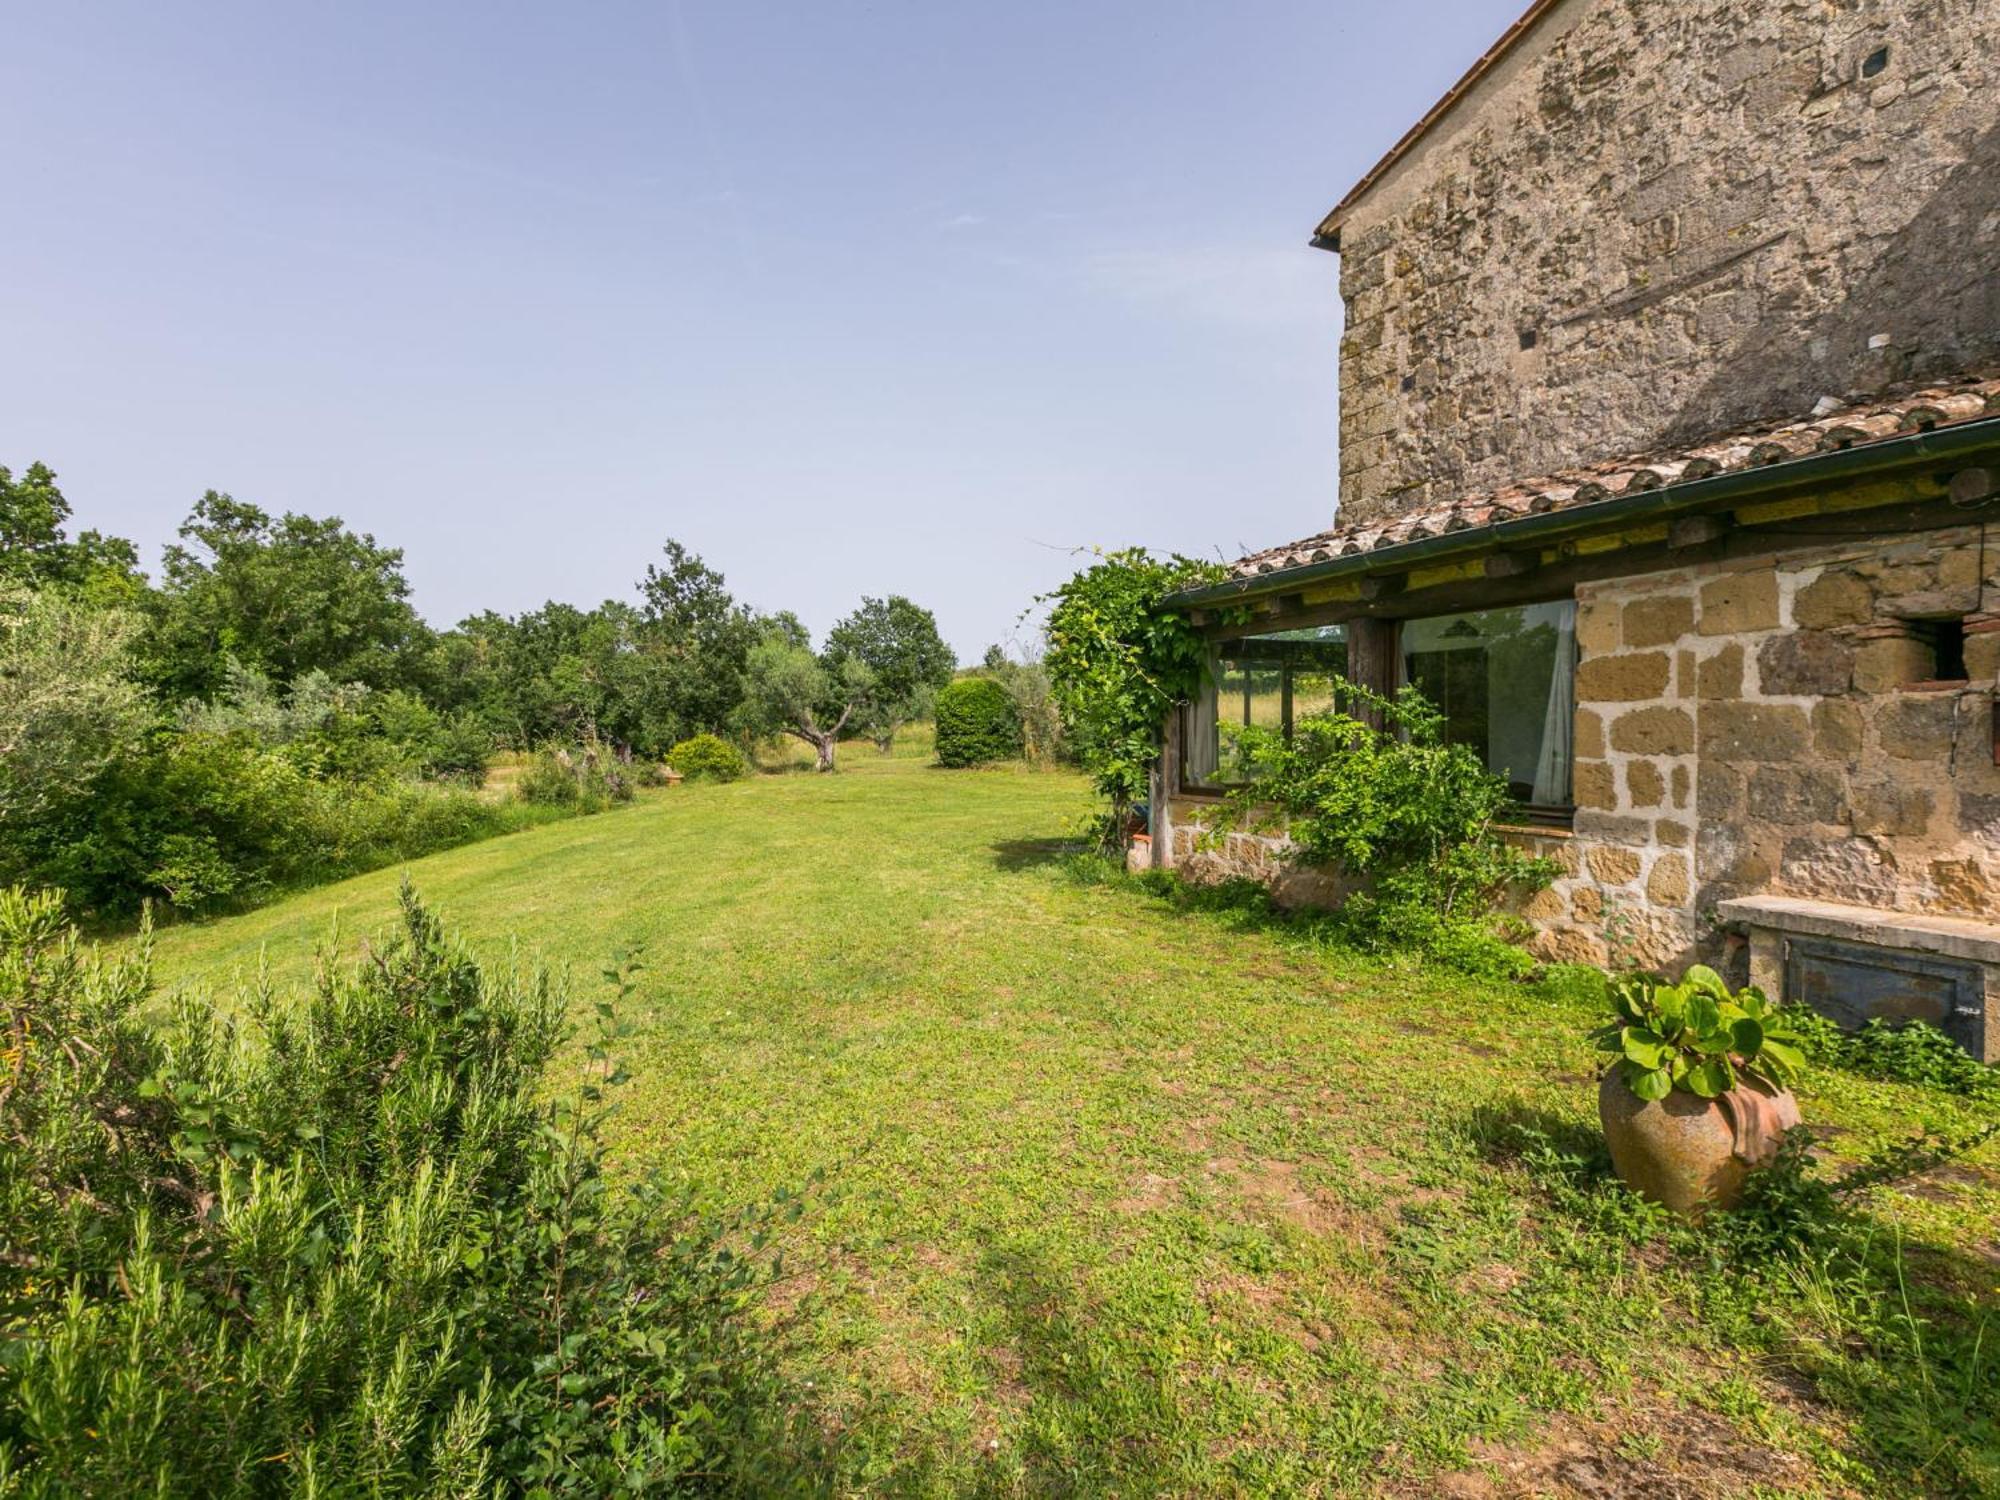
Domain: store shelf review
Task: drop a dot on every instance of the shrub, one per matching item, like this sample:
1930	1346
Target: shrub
1395	805
202	821
976	722
587	779
707	757
1912	1052
346	1245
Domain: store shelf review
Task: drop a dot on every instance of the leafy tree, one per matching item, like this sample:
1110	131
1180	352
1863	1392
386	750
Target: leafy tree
788	690
35	550
68	706
1118	661
286	596
698	639
898	642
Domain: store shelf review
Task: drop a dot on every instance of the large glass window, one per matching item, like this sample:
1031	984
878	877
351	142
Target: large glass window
1506	681
1270	680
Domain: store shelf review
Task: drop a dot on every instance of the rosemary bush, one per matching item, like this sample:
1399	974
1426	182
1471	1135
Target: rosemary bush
345	1246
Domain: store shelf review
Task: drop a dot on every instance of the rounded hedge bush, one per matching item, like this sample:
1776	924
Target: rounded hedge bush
707	757
976	722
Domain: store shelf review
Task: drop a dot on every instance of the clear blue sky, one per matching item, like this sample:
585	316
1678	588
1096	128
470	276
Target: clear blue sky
853	299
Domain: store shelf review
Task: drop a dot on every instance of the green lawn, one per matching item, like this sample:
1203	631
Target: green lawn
1127	1199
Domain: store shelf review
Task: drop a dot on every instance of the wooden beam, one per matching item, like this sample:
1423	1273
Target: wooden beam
1383	585
1697	531
1512	564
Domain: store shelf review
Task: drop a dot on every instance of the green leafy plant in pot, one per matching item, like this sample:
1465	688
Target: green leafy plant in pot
1698	1089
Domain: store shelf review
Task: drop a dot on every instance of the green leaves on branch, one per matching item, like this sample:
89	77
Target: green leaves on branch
1697	1037
1373	789
1118	660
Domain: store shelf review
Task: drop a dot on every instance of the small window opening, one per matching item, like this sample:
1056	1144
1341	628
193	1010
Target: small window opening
1875	62
1946	640
1528	338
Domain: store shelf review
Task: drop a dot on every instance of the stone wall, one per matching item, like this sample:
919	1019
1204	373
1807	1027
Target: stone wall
1764	725
1767	726
1657	220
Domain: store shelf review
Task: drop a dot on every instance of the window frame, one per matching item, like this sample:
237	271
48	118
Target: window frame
1374	661
1273	654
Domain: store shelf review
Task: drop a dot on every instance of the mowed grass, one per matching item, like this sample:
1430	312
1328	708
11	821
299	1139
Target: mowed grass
1123	1198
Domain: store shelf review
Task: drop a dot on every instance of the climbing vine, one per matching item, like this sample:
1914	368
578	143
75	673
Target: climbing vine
1118	660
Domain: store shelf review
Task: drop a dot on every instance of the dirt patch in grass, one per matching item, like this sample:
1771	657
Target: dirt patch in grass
1658	1452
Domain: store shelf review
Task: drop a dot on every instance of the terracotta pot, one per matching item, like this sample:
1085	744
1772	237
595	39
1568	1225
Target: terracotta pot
1139	853
1689	1153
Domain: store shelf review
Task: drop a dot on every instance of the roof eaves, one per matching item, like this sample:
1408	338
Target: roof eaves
1955	443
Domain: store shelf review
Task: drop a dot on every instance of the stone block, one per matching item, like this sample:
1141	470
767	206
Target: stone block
1569	946
1979	815
1859	871
1622	679
1596	627
1779	794
1613	828
1587	904
1753	731
1672	834
1644	785
1658	621
1679	786
1890	810
1588	735
1962	886
1667	882
1739	603
1545	906
1653	731
1721	675
1718	791
1917	726
1592	784
1835	598
1734	861
1982	656
1889	662
1837	730
1614	866
1805	663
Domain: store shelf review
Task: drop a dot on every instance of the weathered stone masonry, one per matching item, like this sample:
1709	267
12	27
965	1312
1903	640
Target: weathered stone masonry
1657	220
1767	726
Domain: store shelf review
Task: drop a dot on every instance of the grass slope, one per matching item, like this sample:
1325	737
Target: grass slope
1130	1200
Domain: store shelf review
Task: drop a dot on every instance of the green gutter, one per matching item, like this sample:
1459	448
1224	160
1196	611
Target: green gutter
1950	446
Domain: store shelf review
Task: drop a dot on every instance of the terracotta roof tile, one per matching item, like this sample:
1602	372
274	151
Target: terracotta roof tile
1836	427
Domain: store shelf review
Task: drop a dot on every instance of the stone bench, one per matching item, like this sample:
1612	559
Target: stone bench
1854	963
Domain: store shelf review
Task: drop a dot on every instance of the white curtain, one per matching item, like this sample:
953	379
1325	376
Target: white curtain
1559	726
1198	755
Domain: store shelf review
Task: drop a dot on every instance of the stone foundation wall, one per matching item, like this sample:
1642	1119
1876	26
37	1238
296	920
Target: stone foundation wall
1762	726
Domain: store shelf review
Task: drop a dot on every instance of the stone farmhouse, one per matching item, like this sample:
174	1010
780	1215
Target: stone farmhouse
1670	471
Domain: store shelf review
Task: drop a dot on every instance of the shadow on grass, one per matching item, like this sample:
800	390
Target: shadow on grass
1893	1339
1033	854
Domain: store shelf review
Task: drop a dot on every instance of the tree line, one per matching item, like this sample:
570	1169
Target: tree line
272	707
